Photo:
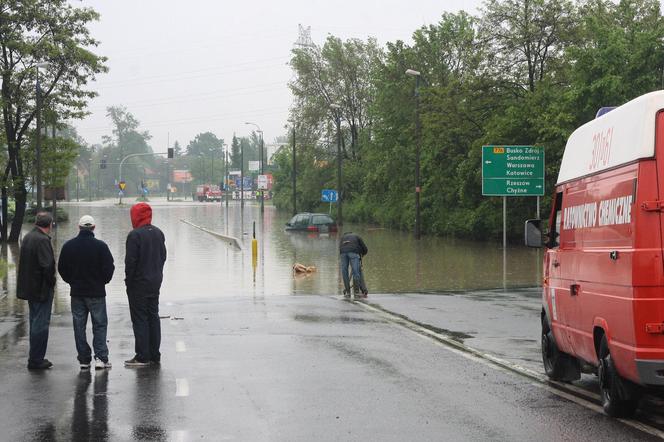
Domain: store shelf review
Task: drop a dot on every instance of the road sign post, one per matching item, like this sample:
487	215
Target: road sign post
329	196
512	171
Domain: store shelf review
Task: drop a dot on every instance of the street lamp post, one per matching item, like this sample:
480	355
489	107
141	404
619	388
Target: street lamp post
260	167
418	137
337	116
294	177
226	171
38	139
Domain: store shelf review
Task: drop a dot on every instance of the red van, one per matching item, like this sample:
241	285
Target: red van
603	286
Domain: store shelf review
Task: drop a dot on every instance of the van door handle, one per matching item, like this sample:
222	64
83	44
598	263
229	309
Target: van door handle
574	289
556	263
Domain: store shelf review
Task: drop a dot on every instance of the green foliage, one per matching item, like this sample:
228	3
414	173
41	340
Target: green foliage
522	72
33	32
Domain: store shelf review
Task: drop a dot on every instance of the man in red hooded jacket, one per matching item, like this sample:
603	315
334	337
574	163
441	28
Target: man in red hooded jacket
144	265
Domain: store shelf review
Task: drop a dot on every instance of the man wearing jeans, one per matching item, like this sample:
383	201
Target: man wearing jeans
144	271
86	264
35	282
351	249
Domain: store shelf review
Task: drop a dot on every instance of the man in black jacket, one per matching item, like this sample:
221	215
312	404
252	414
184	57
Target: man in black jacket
351	251
35	282
144	272
86	264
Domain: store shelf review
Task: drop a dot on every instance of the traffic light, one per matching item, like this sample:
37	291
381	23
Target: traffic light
171	152
102	165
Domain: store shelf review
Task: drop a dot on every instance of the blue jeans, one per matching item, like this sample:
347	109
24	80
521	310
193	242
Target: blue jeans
354	260
40	319
80	307
147	328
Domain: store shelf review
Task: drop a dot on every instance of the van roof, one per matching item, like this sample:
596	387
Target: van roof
621	136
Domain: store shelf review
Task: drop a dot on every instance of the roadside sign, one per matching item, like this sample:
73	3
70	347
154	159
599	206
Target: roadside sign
122	185
512	171
254	166
329	196
261	182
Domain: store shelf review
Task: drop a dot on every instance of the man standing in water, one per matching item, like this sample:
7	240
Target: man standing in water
351	250
35	283
144	264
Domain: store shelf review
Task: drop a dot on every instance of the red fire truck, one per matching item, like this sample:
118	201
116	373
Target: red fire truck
603	287
208	192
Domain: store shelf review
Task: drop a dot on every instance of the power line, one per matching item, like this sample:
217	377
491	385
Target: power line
155	79
197	97
223	117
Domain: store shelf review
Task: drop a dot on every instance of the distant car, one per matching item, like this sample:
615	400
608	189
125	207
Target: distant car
312	222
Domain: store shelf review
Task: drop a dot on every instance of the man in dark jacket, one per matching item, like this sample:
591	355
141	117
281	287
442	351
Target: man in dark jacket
144	265
351	249
35	283
86	264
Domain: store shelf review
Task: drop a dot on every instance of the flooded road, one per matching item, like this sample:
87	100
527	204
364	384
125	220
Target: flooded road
201	266
249	354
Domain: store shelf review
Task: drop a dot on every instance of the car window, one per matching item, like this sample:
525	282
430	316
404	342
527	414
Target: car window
302	219
321	219
293	220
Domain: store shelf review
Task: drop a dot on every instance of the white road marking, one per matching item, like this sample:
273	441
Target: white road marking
180	347
489	360
181	387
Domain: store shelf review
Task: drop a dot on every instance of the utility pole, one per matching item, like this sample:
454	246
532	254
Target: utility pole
339	217
294	176
336	110
418	148
38	145
262	172
241	174
418	130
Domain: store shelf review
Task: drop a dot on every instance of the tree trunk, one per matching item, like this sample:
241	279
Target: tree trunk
5	215
20	197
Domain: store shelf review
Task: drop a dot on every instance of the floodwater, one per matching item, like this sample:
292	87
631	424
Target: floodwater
200	265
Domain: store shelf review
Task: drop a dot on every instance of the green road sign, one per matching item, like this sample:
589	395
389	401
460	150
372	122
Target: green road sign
512	171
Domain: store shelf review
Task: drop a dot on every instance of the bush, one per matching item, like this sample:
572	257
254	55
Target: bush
30	213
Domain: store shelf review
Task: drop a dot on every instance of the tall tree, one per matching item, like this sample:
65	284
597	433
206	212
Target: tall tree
127	138
177	149
33	32
206	144
235	153
526	37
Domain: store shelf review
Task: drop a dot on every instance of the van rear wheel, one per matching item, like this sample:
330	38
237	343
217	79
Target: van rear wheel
558	366
619	397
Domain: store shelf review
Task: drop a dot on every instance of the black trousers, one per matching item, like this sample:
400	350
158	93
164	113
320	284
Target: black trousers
147	329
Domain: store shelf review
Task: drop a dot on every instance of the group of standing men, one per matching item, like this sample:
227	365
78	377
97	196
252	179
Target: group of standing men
86	264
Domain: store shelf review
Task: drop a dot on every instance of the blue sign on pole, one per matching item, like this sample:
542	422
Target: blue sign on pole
329	196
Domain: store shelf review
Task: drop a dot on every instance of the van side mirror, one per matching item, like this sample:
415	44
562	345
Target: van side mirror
533	233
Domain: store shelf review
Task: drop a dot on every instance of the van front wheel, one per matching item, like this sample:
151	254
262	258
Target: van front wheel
558	366
619	397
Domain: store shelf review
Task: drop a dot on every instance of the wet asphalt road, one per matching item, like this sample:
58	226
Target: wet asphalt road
283	359
280	368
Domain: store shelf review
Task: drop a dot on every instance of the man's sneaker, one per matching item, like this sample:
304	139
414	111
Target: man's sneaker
346	294
43	365
133	362
100	365
84	365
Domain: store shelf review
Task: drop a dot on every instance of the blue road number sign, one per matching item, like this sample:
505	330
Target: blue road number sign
329	196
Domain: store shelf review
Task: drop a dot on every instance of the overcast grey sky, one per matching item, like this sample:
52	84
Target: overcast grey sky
185	67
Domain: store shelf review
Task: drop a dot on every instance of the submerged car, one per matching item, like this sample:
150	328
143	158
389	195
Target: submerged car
312	222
